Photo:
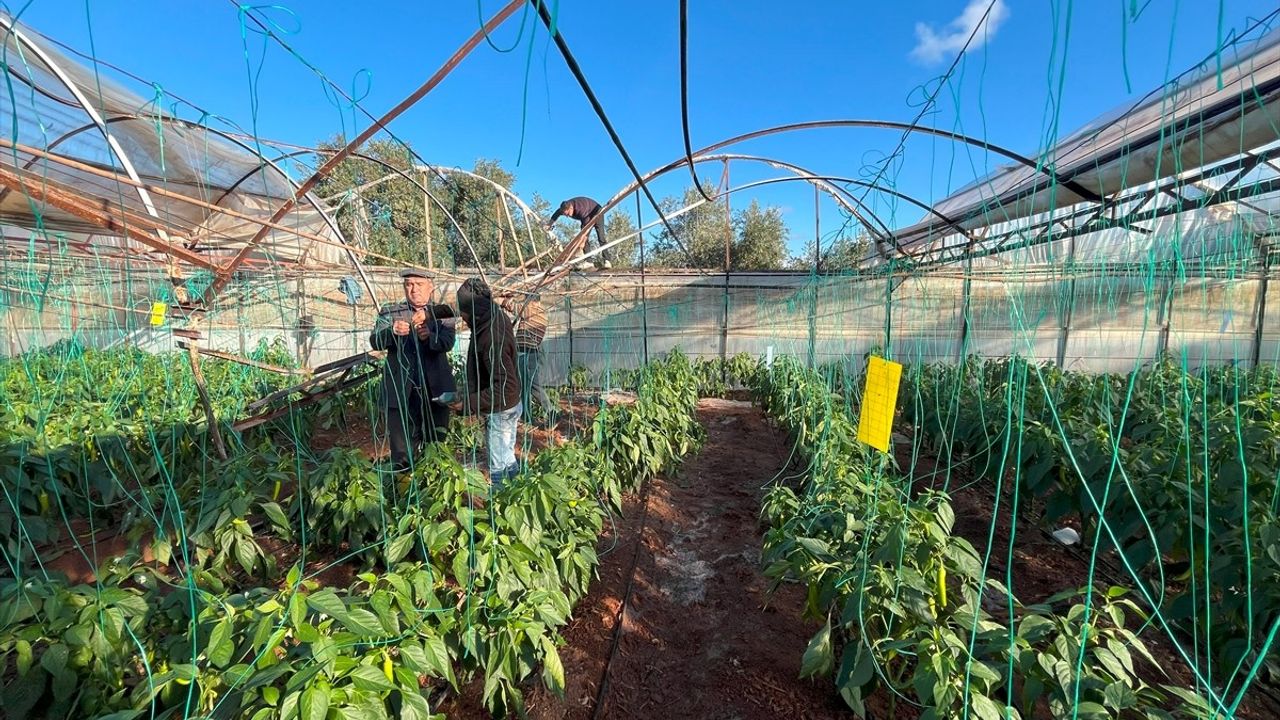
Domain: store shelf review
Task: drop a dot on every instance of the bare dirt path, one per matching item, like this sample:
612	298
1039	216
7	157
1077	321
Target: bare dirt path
700	638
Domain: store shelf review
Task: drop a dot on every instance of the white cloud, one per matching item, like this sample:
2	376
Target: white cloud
933	45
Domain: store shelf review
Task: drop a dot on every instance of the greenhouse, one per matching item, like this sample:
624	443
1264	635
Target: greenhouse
946	411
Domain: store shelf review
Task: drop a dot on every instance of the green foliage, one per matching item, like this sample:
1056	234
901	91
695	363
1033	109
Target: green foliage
444	591
626	254
756	236
902	596
650	436
761	239
389	216
1181	466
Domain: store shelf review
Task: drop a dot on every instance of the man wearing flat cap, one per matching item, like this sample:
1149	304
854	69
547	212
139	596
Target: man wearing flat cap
417	381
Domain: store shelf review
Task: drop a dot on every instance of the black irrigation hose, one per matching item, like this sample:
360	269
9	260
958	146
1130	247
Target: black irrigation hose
684	98
576	71
622	608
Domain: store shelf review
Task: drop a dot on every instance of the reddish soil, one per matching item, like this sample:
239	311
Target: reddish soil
700	636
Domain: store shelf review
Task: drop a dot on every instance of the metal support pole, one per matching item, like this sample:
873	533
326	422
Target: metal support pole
1262	310
813	299
965	310
888	311
568	306
728	243
426	213
644	296
1069	311
1162	317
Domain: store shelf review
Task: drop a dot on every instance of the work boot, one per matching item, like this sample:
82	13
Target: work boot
606	265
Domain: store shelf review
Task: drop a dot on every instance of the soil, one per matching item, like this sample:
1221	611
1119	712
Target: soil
700	636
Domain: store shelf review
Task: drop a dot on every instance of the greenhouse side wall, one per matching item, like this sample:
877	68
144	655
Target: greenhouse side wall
1099	321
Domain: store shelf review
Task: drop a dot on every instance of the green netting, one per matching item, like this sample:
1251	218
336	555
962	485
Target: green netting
1077	517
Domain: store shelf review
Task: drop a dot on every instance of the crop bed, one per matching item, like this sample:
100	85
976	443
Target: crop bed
287	581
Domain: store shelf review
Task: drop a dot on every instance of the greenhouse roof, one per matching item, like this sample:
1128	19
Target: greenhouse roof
1130	178
107	171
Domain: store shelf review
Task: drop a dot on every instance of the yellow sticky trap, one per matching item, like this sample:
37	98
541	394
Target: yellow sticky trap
879	401
157	313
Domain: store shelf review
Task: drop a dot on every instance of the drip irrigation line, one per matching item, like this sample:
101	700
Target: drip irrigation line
603	689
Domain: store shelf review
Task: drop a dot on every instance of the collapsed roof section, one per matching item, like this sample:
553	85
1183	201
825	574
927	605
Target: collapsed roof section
110	173
1172	175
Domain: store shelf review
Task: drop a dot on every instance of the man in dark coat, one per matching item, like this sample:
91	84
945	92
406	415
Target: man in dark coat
587	212
417	381
492	376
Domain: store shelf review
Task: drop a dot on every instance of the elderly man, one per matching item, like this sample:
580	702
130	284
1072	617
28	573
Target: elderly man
492	377
417	382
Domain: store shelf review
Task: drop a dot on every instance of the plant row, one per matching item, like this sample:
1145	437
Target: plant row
278	585
1172	473
906	604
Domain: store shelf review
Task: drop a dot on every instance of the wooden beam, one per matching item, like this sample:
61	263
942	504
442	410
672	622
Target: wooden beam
96	212
214	432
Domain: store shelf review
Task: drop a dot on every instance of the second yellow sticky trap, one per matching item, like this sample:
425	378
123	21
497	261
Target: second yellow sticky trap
879	402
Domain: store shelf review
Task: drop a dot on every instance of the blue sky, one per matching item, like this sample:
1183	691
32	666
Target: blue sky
1041	71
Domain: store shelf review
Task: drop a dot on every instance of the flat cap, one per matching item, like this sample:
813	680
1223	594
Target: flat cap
416	272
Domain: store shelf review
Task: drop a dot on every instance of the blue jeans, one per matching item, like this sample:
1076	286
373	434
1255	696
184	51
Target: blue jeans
501	442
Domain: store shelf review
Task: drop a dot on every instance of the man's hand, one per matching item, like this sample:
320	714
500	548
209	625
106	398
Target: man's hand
419	317
424	331
400	327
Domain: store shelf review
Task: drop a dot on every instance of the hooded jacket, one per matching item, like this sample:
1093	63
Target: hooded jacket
492	376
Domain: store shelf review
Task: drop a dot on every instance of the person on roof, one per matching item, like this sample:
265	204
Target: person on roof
587	212
417	380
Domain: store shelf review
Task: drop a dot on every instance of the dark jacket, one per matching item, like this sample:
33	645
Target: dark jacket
492	376
413	363
584	210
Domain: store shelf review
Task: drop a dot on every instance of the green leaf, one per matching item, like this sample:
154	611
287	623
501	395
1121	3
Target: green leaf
220	644
414	706
1034	627
363	623
818	656
278	519
438	659
289	706
1118	696
370	679
315	703
552	669
857	667
1121	652
328	603
398	548
1113	666
986	708
246	554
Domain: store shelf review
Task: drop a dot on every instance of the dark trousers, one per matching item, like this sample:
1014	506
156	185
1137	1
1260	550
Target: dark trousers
597	223
415	422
